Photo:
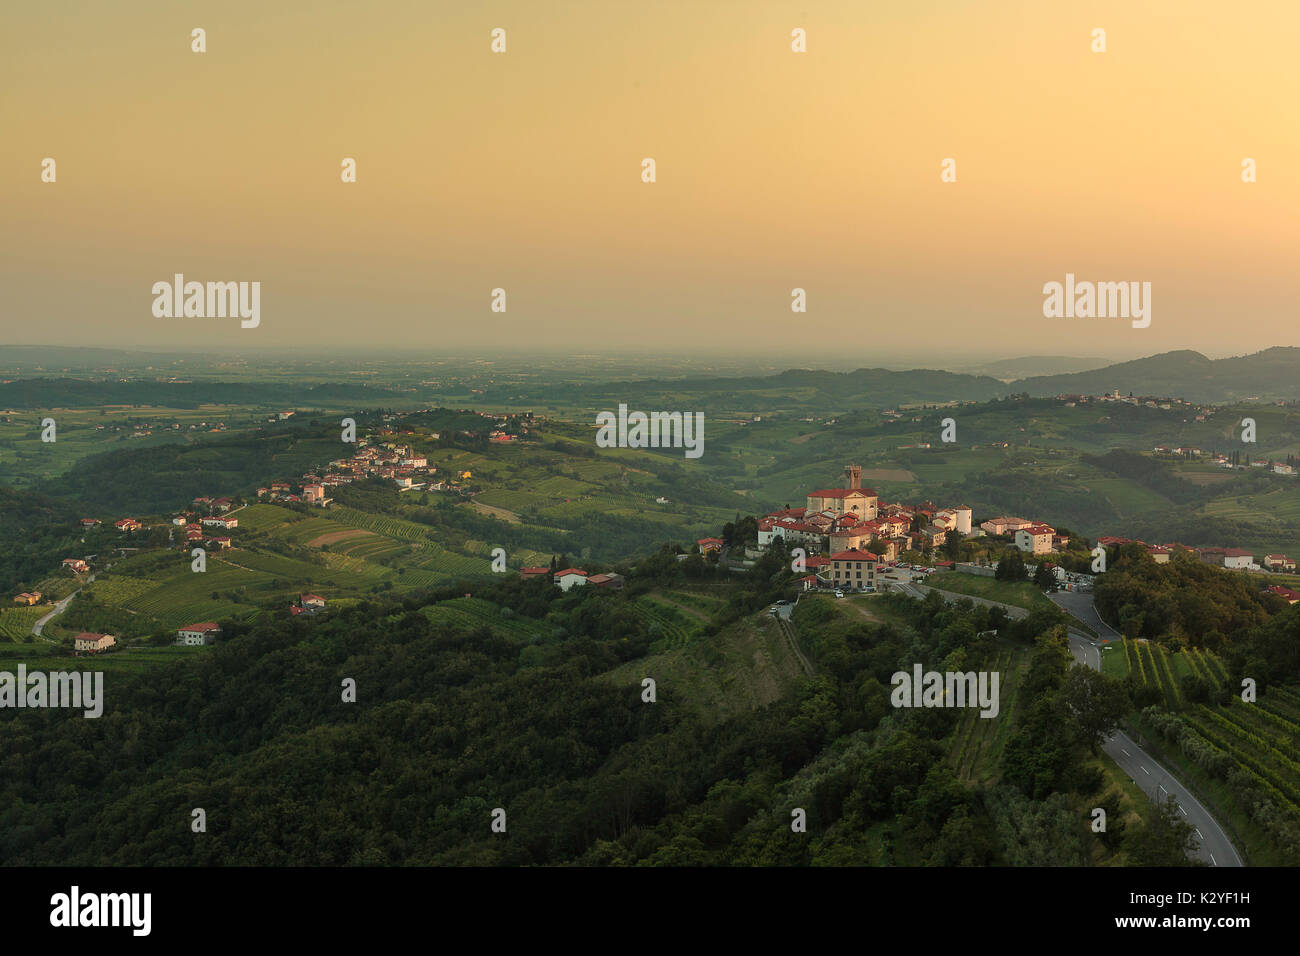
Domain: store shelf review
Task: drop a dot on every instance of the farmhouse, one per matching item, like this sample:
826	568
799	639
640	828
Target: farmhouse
570	577
311	600
127	524
1286	594
532	574
89	522
75	564
1237	558
1160	555
90	643
612	581
1279	562
28	598
197	635
708	544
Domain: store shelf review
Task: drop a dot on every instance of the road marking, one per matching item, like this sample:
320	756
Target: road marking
1184	812
1213	860
1125	752
1146	771
1162	789
1198	832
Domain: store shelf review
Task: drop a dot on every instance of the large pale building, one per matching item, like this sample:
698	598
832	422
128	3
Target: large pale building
853	499
854	569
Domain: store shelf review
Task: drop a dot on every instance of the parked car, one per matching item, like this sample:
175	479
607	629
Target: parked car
839	593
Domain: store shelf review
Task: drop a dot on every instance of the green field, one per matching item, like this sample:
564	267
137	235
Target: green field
1017	593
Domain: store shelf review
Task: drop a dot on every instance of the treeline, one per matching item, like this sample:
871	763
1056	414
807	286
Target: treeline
1183	602
165	477
1147	472
42	393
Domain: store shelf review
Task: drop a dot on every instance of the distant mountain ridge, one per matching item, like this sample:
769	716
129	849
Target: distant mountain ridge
1269	375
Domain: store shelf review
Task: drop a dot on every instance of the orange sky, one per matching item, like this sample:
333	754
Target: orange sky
775	170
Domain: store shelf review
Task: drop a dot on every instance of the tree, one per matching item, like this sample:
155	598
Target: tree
1094	705
1043	577
1011	566
1164	840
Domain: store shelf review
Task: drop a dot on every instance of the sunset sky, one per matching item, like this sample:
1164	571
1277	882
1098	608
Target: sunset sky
775	170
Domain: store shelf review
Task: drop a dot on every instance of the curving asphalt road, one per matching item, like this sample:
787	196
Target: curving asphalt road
59	608
1214	847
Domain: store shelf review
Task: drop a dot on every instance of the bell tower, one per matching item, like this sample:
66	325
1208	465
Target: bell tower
853	476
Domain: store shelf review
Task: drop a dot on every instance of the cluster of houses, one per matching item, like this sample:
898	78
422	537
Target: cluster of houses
396	462
849	519
207	516
568	578
1223	461
1234	559
1032	537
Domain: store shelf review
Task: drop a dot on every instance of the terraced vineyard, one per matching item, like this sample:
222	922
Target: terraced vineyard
184	597
1153	666
385	525
16	622
977	742
262	518
475	612
1253	747
118	588
672	626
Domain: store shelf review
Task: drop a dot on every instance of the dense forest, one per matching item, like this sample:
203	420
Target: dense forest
35	532
450	723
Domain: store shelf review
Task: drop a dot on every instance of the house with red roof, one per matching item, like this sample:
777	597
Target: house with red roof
570	578
197	635
854	568
88	642
1035	539
1286	594
708	544
1237	558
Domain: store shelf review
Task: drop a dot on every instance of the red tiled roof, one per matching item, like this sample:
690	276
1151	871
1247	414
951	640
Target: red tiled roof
560	574
854	555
